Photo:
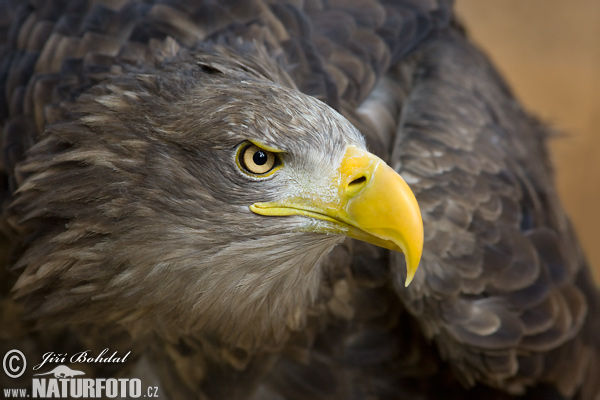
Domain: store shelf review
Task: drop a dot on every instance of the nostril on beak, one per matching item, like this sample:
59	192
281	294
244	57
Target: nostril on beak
356	186
357	181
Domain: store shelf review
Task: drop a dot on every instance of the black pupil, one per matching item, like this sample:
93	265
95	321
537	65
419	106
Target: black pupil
259	158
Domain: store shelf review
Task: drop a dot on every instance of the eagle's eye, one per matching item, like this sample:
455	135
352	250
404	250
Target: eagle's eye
256	161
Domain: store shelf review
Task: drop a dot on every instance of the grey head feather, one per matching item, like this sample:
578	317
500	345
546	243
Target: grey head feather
137	195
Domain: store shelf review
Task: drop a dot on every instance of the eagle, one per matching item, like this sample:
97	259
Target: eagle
295	199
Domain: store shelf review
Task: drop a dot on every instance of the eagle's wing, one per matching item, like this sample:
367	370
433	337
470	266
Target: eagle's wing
503	291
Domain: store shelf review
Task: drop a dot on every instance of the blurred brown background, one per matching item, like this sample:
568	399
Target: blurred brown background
549	50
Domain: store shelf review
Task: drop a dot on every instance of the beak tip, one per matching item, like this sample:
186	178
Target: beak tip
411	270
412	256
409	279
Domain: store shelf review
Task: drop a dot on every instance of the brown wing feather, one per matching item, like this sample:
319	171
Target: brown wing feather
499	289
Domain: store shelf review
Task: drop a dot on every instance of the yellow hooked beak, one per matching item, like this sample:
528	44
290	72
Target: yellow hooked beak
371	202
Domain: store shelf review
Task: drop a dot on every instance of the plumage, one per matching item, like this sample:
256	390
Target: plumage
130	224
